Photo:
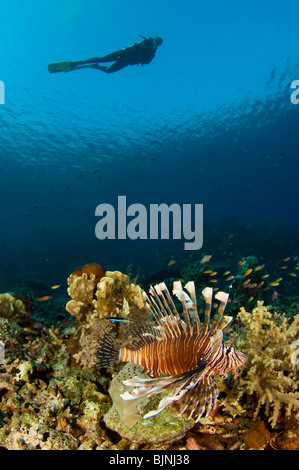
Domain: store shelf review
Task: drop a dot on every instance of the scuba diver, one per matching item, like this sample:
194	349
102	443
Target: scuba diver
139	53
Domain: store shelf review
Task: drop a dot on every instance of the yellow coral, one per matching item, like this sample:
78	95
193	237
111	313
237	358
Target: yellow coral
271	374
92	301
81	289
112	295
9	305
115	294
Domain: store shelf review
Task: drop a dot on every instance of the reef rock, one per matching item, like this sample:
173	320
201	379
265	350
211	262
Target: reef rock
125	416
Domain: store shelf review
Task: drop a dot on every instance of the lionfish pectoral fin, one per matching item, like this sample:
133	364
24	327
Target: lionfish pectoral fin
177	385
164	403
143	386
200	400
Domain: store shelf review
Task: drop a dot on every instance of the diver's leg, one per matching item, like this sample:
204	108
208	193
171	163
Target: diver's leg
112	68
91	66
116	66
107	58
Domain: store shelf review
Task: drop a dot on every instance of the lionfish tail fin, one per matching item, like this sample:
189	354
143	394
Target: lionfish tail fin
108	351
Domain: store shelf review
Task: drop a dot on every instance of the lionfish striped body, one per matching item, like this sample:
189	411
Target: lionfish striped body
188	352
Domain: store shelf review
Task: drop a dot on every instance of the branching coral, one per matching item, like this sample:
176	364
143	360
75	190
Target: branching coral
271	376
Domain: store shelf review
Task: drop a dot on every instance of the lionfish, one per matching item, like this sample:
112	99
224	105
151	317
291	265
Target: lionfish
180	354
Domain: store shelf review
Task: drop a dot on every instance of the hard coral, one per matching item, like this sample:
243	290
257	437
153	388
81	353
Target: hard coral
111	295
271	375
92	301
10	306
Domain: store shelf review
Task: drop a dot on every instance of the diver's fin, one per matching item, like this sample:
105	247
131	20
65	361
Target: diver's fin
63	66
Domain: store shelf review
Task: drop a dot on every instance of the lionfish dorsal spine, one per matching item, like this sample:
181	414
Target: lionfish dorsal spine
225	322
166	316
223	298
208	296
185	302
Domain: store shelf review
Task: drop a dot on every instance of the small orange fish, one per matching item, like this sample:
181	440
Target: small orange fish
213	273
283	267
45	297
260	284
171	262
226	273
287	258
206	259
242	262
207	271
29	330
245	283
213	280
247	272
259	268
229	278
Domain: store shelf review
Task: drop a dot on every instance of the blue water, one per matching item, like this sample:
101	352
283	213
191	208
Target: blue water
208	121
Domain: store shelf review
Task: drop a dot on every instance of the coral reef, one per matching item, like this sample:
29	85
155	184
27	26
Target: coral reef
271	378
53	397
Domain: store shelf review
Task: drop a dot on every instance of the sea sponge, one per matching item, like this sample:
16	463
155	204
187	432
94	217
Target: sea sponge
92	268
271	376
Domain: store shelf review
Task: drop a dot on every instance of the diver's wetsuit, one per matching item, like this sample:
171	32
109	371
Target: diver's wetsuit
139	53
